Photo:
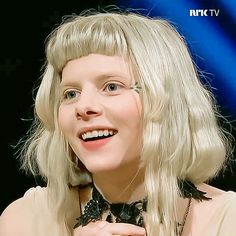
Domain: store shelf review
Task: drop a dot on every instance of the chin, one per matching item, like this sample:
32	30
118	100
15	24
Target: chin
96	169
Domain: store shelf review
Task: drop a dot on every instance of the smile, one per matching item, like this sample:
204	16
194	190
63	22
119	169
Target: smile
97	134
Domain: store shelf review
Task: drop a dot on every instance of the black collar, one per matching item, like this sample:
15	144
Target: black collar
128	213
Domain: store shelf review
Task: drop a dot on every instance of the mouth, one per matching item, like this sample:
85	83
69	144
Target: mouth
94	135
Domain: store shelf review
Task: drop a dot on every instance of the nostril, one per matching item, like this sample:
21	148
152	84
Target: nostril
90	113
85	113
88	109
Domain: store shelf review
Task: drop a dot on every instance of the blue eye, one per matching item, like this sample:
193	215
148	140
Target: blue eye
70	94
113	87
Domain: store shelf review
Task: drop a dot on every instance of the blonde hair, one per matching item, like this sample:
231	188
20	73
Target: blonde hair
181	137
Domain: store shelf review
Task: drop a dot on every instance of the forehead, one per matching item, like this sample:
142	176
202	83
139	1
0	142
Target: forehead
96	65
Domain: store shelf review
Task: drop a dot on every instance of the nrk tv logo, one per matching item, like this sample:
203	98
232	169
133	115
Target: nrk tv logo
204	12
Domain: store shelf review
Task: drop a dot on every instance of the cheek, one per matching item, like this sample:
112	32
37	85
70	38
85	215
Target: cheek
134	117
63	120
131	112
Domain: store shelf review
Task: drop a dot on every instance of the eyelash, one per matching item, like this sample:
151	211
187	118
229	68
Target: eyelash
117	86
67	93
76	93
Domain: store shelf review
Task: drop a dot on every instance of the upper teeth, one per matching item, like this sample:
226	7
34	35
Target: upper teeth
97	133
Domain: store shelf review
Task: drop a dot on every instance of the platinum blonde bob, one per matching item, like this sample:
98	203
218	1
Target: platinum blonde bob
181	137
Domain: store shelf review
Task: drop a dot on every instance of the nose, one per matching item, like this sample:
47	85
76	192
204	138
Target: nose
88	106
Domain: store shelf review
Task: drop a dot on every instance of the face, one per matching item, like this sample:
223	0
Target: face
99	113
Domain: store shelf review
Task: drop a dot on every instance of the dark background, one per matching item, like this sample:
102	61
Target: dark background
24	26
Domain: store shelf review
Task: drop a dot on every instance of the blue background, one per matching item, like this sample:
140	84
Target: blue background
211	39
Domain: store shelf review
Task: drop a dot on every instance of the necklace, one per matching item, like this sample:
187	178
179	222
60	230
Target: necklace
132	213
179	226
116	212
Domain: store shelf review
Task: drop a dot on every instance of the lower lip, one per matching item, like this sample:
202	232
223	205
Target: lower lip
97	144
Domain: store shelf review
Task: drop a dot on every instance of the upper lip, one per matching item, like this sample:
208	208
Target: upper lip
91	128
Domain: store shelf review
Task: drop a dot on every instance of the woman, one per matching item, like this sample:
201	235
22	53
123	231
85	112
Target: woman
125	136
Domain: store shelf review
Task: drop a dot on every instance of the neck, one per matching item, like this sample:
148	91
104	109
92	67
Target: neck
121	186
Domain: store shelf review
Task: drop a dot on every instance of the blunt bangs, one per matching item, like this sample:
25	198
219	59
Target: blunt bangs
83	36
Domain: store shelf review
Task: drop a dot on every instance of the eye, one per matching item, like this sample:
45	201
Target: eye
70	94
113	87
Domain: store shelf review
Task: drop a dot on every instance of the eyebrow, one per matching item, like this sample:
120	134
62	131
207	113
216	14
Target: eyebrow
100	78
111	75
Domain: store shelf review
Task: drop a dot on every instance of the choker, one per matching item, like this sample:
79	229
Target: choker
129	213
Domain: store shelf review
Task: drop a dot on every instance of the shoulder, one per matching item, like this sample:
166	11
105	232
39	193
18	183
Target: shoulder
217	215
36	194
17	218
219	199
217	195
